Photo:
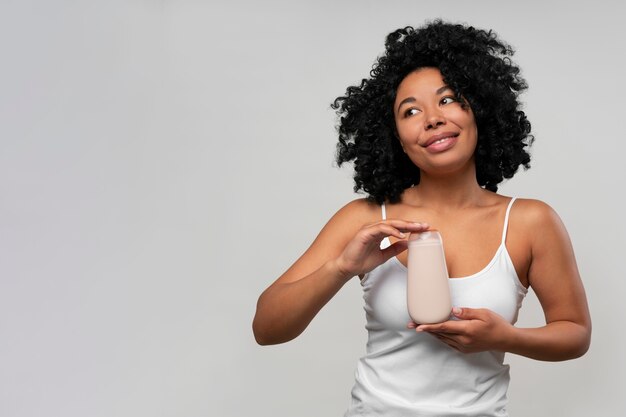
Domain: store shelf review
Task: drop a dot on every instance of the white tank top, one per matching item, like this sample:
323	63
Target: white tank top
405	373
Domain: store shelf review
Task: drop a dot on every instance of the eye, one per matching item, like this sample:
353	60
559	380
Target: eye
410	112
447	100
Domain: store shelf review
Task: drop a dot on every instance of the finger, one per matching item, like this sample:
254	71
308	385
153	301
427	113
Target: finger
466	313
447	327
396	228
403	225
411	325
395	249
381	231
406	226
429	327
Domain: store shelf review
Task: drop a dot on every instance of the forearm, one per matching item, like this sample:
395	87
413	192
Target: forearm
556	341
284	310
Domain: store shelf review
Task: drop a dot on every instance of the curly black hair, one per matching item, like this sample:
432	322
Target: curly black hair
476	65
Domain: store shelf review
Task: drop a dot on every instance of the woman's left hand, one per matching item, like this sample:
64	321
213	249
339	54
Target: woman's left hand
477	330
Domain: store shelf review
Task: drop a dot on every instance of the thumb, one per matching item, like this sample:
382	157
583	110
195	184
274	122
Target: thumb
466	313
395	249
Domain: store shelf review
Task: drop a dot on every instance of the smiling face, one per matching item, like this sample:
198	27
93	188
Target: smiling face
437	132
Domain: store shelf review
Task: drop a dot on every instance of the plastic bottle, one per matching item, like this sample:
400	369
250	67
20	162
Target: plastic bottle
428	291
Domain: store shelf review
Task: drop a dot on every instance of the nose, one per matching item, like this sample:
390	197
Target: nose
434	118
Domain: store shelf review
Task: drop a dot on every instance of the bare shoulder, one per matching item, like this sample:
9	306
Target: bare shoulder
360	211
538	222
351	217
333	237
533	213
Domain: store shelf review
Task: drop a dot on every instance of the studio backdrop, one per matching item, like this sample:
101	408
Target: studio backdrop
162	162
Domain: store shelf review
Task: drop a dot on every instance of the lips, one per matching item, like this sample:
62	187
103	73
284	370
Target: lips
439	138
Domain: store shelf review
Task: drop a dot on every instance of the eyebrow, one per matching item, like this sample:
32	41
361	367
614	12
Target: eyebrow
442	89
412	99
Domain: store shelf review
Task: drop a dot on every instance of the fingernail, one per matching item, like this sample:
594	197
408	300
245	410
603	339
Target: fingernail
402	235
457	311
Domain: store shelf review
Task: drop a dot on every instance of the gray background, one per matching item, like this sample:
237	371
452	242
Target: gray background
162	162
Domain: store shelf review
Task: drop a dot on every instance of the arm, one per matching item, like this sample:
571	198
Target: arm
554	277
348	245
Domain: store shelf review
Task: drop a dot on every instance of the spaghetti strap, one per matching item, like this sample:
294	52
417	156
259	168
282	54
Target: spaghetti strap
506	220
384	211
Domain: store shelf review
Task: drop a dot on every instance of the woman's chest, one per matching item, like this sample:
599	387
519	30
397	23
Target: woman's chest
495	288
472	238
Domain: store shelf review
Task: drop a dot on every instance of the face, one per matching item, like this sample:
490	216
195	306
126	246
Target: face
436	131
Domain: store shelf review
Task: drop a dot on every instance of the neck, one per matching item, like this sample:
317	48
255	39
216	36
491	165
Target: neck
445	192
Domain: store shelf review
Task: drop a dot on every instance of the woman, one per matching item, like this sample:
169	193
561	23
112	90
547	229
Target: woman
432	133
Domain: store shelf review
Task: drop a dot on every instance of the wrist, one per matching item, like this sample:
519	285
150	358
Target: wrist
510	341
338	271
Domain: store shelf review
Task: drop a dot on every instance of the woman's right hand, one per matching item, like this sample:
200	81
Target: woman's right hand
363	252
343	249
